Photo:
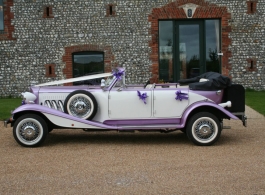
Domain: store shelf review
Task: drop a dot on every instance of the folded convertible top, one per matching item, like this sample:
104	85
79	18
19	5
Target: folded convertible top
215	81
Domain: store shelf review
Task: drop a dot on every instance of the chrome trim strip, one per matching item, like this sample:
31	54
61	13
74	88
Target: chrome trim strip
162	126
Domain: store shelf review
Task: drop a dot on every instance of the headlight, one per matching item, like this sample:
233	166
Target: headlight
28	98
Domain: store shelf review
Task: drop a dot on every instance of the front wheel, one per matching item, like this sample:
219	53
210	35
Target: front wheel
30	130
203	129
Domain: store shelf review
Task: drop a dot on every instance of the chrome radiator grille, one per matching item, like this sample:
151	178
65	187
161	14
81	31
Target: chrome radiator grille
53	100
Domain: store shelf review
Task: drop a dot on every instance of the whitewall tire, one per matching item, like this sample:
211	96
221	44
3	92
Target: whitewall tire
203	129
30	130
81	104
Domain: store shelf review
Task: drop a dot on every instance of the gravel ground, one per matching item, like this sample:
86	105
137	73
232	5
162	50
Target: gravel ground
78	162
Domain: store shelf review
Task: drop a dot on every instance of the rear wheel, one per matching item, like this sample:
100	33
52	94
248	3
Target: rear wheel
30	130
203	129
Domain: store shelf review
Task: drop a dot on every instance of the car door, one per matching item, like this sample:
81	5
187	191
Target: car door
165	104
126	104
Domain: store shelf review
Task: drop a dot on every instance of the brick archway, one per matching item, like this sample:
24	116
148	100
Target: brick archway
67	58
204	10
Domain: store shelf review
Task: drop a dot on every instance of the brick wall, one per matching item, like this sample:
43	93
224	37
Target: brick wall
175	11
252	7
67	58
8	16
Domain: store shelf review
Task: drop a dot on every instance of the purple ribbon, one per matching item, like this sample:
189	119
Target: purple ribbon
118	73
142	96
180	96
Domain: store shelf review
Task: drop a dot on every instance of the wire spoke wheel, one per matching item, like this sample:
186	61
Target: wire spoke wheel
81	104
30	130
203	129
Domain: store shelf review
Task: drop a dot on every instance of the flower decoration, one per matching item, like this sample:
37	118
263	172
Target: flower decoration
142	96
118	73
180	96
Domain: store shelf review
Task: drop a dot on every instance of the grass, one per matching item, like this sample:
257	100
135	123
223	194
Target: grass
6	105
254	99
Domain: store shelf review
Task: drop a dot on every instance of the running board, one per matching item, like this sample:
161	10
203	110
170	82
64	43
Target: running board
160	126
69	121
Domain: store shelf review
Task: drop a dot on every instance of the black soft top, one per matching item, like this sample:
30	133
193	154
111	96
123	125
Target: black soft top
215	81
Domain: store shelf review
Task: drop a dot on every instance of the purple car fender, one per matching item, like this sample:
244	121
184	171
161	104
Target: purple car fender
204	103
53	115
56	116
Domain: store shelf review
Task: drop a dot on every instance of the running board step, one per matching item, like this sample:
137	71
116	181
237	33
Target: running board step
162	126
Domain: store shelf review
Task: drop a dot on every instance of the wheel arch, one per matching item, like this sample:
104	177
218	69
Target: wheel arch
18	114
192	110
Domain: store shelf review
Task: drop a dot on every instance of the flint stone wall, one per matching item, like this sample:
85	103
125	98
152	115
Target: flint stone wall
39	41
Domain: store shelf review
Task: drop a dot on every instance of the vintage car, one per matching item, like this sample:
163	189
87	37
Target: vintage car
196	108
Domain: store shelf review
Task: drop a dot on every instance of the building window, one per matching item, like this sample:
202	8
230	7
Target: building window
6	16
251	7
185	55
50	70
47	12
1	15
166	51
111	10
88	63
252	64
174	11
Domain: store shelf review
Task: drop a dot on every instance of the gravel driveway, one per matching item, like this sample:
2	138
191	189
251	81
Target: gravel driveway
78	162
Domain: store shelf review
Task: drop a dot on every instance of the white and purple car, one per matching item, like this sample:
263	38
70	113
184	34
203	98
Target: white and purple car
113	105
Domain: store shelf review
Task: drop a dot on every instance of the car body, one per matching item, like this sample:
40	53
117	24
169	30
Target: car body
113	105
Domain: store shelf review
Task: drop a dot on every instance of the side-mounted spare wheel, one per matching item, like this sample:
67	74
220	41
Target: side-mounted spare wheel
30	130
203	129
81	104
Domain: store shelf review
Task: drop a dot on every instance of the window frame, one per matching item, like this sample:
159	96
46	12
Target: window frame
2	13
175	48
88	53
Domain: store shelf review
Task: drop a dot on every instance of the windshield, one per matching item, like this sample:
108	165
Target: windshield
117	74
109	80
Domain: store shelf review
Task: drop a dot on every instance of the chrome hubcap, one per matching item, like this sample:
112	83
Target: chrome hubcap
204	129
80	107
29	131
